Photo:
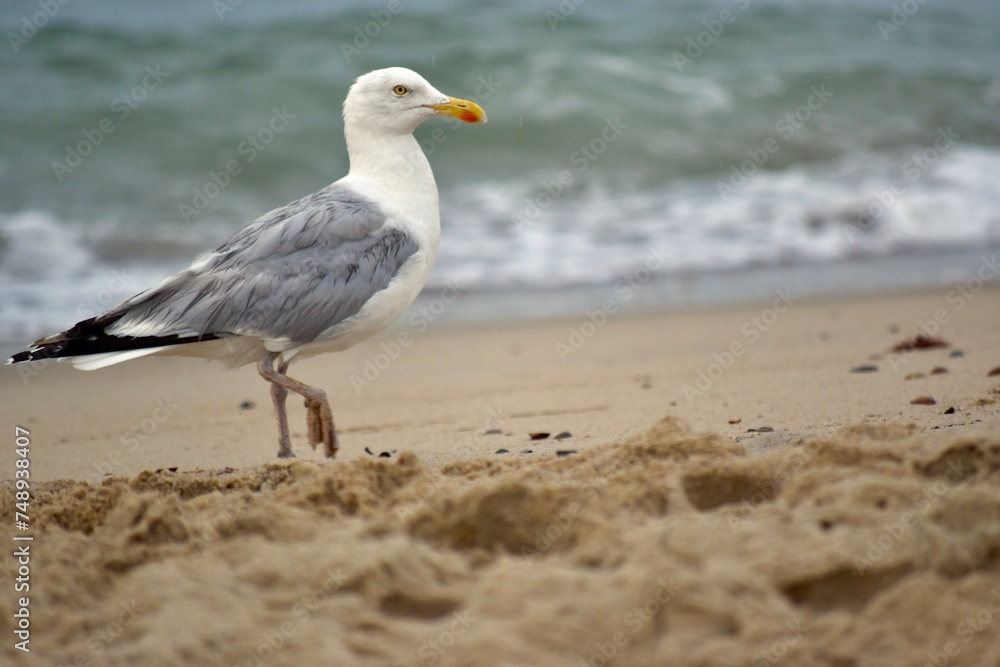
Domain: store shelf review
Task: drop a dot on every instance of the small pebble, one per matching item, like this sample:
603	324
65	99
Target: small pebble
527	451
493	431
247	405
994	372
762	429
950	411
736	421
919	342
563	435
867	368
369	452
923	400
538	436
956	353
939	370
565	452
385	455
502	451
913	376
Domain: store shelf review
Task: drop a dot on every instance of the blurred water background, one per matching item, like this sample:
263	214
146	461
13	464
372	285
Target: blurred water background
655	153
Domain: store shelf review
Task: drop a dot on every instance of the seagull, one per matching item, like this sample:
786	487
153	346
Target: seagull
317	275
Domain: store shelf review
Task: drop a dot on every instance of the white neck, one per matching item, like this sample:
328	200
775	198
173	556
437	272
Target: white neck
395	164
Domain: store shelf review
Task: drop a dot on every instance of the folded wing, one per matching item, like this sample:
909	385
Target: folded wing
285	278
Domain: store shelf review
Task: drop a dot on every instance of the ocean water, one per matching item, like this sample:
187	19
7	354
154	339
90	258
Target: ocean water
704	146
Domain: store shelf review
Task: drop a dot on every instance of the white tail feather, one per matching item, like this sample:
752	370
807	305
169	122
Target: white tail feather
91	362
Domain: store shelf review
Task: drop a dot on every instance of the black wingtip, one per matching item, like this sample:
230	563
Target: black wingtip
19	357
90	337
45	352
78	347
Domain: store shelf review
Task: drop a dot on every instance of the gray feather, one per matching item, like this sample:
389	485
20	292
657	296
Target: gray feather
291	274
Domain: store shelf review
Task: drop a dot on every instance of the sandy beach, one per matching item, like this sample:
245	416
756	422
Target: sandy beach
704	368
755	485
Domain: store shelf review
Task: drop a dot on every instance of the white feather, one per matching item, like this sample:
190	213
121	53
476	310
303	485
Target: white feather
91	362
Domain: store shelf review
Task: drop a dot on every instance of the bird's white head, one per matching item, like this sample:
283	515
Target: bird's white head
396	100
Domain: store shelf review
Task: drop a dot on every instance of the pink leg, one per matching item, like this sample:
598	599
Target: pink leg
319	417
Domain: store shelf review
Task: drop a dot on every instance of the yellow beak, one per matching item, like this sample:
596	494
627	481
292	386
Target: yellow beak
464	110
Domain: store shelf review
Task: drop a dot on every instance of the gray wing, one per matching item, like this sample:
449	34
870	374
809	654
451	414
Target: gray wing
290	275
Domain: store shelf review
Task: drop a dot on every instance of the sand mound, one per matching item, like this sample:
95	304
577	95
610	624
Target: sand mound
879	545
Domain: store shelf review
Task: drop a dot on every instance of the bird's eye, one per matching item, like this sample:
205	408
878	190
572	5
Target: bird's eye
400	90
